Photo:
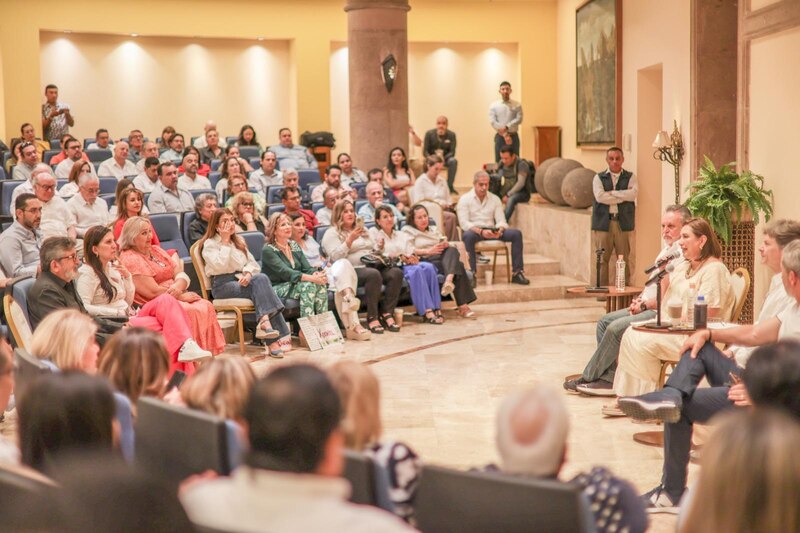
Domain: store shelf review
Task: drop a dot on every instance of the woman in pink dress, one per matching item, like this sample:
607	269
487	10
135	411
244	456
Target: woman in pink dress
155	272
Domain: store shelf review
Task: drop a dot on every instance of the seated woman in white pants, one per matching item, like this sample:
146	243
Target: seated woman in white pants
641	353
342	279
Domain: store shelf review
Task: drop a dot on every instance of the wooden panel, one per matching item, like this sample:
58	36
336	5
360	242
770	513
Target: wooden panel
547	143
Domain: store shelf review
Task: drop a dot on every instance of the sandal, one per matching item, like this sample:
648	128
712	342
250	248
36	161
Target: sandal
448	288
432	318
377	329
385	318
468	313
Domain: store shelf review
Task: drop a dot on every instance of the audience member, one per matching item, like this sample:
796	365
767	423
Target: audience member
481	216
441	141
350	174
62	155
434	189
614	212
118	166
517	180
204	206
102	141
136	363
149	149
430	245
114	211
86	207
374	192
9	452
136	142
212	149
233	151
175	152
398	177
11	162
346	239
71	188
360	397
190	179
65	340
415	151
57	220
230	166
74	154
238	184
234	273
203	169
333	181
342	280
505	116
291	178
147	180
166	136
290	196
28	133
26	187
29	157
168	196
290	154
598	375
247	137
245	217
290	480
155	272
265	176
200	142
20	243
329	200
57	117
531	436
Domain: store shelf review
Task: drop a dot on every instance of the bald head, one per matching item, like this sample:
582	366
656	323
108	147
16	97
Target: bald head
210	125
121	152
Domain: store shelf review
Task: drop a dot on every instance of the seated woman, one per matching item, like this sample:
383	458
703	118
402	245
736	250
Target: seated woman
342	279
230	166
136	363
398	177
247	137
238	184
421	277
15	156
234	273
641	353
431	246
204	206
245	218
106	289
346	239
123	184
132	200
70	188
350	174
360	396
155	272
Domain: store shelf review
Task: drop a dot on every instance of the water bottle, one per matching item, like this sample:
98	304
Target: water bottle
620	273
700	313
688	304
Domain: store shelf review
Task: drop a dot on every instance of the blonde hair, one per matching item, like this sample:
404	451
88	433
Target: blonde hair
272	225
750	480
336	215
360	396
130	230
220	387
56	338
136	362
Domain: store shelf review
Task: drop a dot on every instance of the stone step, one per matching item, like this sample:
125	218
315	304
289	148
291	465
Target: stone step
535	265
542	287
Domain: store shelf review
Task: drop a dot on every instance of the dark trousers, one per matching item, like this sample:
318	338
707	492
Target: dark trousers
699	405
520	197
499	142
450	263
514	236
452	167
372	279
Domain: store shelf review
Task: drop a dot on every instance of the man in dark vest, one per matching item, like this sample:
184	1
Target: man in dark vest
614	212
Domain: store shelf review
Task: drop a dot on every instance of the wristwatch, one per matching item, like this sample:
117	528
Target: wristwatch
643	305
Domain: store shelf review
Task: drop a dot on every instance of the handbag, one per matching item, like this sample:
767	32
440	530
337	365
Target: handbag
376	261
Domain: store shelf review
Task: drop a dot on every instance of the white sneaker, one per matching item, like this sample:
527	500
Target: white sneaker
190	351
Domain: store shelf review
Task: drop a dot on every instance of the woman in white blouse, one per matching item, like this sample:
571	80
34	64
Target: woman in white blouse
106	289
422	281
70	188
235	273
346	239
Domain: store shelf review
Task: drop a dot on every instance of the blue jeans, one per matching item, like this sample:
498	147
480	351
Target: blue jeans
610	329
521	197
260	291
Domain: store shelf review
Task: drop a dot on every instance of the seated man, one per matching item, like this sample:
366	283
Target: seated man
200	142
429	186
598	376
265	176
290	154
29	157
136	145
21	241
329	200
375	198
480	214
27	186
681	403
333	180
175	152
87	209
442	142
102	141
291	178
212	149
190	179
28	133
74	154
291	476
149	149
118	165
290	196
168	196
532	429
204	207
62	155
57	220
517	180
147	180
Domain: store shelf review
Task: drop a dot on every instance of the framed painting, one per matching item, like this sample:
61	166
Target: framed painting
598	61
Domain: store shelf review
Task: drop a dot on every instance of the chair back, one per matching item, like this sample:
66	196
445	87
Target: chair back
231	139
99	155
449	500
254	241
215	164
434	210
196	253
26	369
197	192
109	199
274	194
307	176
214	176
177	442
368	481
319	231
108	184
740	281
186	218
275	208
316	206
47	155
22	492
15	306
6	189
169	233
359	204
249	152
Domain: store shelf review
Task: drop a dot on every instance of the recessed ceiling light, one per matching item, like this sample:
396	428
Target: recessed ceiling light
134	34
260	38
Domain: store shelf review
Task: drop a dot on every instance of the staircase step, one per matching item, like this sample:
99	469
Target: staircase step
542	287
535	265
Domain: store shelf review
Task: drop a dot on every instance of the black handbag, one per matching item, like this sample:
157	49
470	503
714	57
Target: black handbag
376	261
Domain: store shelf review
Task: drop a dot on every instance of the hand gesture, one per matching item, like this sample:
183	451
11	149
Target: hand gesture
124	272
189	297
738	395
695	342
244	281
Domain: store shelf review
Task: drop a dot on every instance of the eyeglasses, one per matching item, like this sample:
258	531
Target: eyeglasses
73	258
247	204
46	187
93	190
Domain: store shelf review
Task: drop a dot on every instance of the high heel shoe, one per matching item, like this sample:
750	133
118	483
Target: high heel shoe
433	319
384	319
377	330
363	335
468	313
448	288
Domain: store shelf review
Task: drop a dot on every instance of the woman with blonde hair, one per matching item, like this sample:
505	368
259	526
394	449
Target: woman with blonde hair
66	339
750	476
136	362
245	213
360	397
70	188
220	387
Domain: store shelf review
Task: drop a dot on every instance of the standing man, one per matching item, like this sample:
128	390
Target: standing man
614	212
118	165
56	118
442	142
505	116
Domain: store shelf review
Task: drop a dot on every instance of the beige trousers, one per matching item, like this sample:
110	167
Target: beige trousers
615	242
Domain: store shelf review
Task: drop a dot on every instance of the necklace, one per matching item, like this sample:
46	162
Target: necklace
690	273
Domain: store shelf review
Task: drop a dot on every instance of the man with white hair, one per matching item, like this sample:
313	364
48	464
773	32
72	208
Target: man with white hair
118	166
85	206
375	193
201	143
532	431
57	220
149	149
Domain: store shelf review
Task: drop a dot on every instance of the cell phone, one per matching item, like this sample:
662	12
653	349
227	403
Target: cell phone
735	380
176	380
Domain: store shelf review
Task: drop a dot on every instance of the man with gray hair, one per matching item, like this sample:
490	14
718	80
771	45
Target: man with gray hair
374	191
291	178
57	219
480	214
149	149
168	196
20	243
85	206
27	186
532	428
118	165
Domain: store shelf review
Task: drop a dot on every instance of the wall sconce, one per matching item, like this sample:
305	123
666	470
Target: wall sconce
669	148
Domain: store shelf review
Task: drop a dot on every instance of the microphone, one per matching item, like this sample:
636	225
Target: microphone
657	277
663	261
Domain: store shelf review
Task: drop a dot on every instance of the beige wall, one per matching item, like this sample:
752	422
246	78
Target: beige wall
149	82
442	81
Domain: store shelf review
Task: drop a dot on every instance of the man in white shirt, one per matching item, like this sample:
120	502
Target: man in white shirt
28	160
20	243
74	154
429	186
102	141
175	152
87	209
291	479
118	166
266	176
290	154
324	213
147	180
201	143
168	197
333	180
505	115
480	214
149	149
191	180
374	191
57	220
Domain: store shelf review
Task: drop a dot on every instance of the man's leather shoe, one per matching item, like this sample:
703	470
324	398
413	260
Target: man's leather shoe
520	279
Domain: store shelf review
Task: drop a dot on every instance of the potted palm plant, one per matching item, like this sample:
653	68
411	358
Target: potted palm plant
733	204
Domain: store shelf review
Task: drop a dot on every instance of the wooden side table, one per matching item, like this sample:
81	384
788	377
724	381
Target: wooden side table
615	300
